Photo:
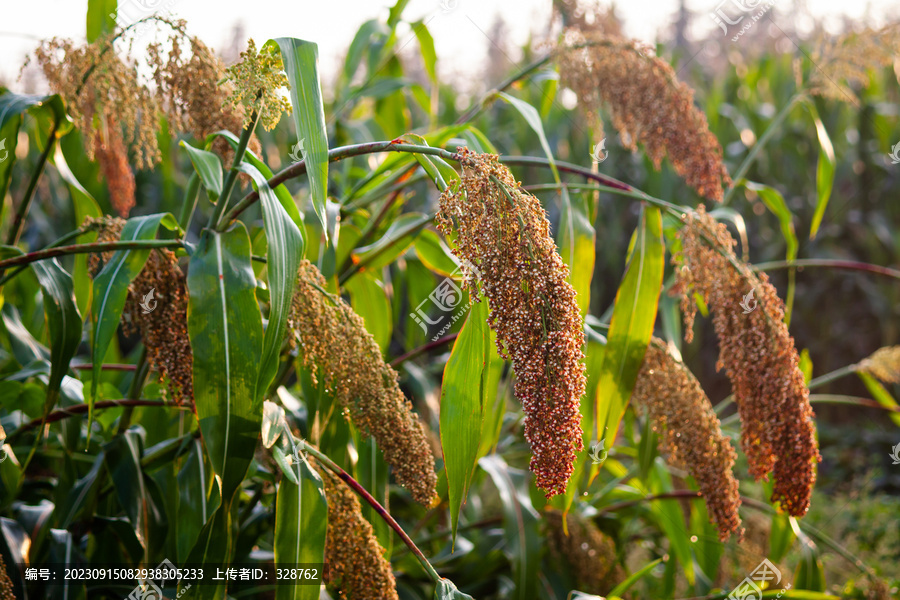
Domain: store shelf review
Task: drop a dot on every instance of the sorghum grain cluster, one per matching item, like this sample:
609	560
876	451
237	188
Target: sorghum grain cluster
334	339
164	328
778	432
689	432
505	234
354	561
647	105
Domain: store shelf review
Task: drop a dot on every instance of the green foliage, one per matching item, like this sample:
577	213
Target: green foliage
119	473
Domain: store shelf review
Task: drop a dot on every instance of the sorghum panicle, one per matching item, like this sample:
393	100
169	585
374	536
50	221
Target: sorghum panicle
589	553
164	328
843	63
334	339
109	148
505	234
778	432
647	105
689	432
354	561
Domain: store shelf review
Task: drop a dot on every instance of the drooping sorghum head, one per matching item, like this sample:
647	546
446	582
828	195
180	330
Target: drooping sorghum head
354	561
647	105
689	433
778	432
334	339
505	234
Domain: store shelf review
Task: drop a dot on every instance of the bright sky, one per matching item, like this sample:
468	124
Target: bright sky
459	27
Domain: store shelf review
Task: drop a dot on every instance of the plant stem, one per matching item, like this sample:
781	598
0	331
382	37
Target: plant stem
608	184
382	512
216	216
488	98
829	377
134	391
760	143
334	155
191	194
94	247
68	237
422	349
828	264
79	409
105	367
19	223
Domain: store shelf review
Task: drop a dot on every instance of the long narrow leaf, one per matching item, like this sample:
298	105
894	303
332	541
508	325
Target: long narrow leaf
630	327
111	290
283	254
301	519
301	63
225	327
462	406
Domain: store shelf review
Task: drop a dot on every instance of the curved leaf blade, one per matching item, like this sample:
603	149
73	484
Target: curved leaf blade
63	321
462	406
111	290
284	249
630	327
301	60
301	519
225	328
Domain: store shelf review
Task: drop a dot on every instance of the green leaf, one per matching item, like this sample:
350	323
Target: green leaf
774	201
111	290
781	537
881	395
370	301
123	460
576	240
85	206
634	578
809	574
533	118
208	167
426	49
824	171
630	327
435	254
520	522
446	590
198	498
283	253
13	106
301	519
225	327
63	321
284	196
373	473
101	18
301	65
462	406
9	136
